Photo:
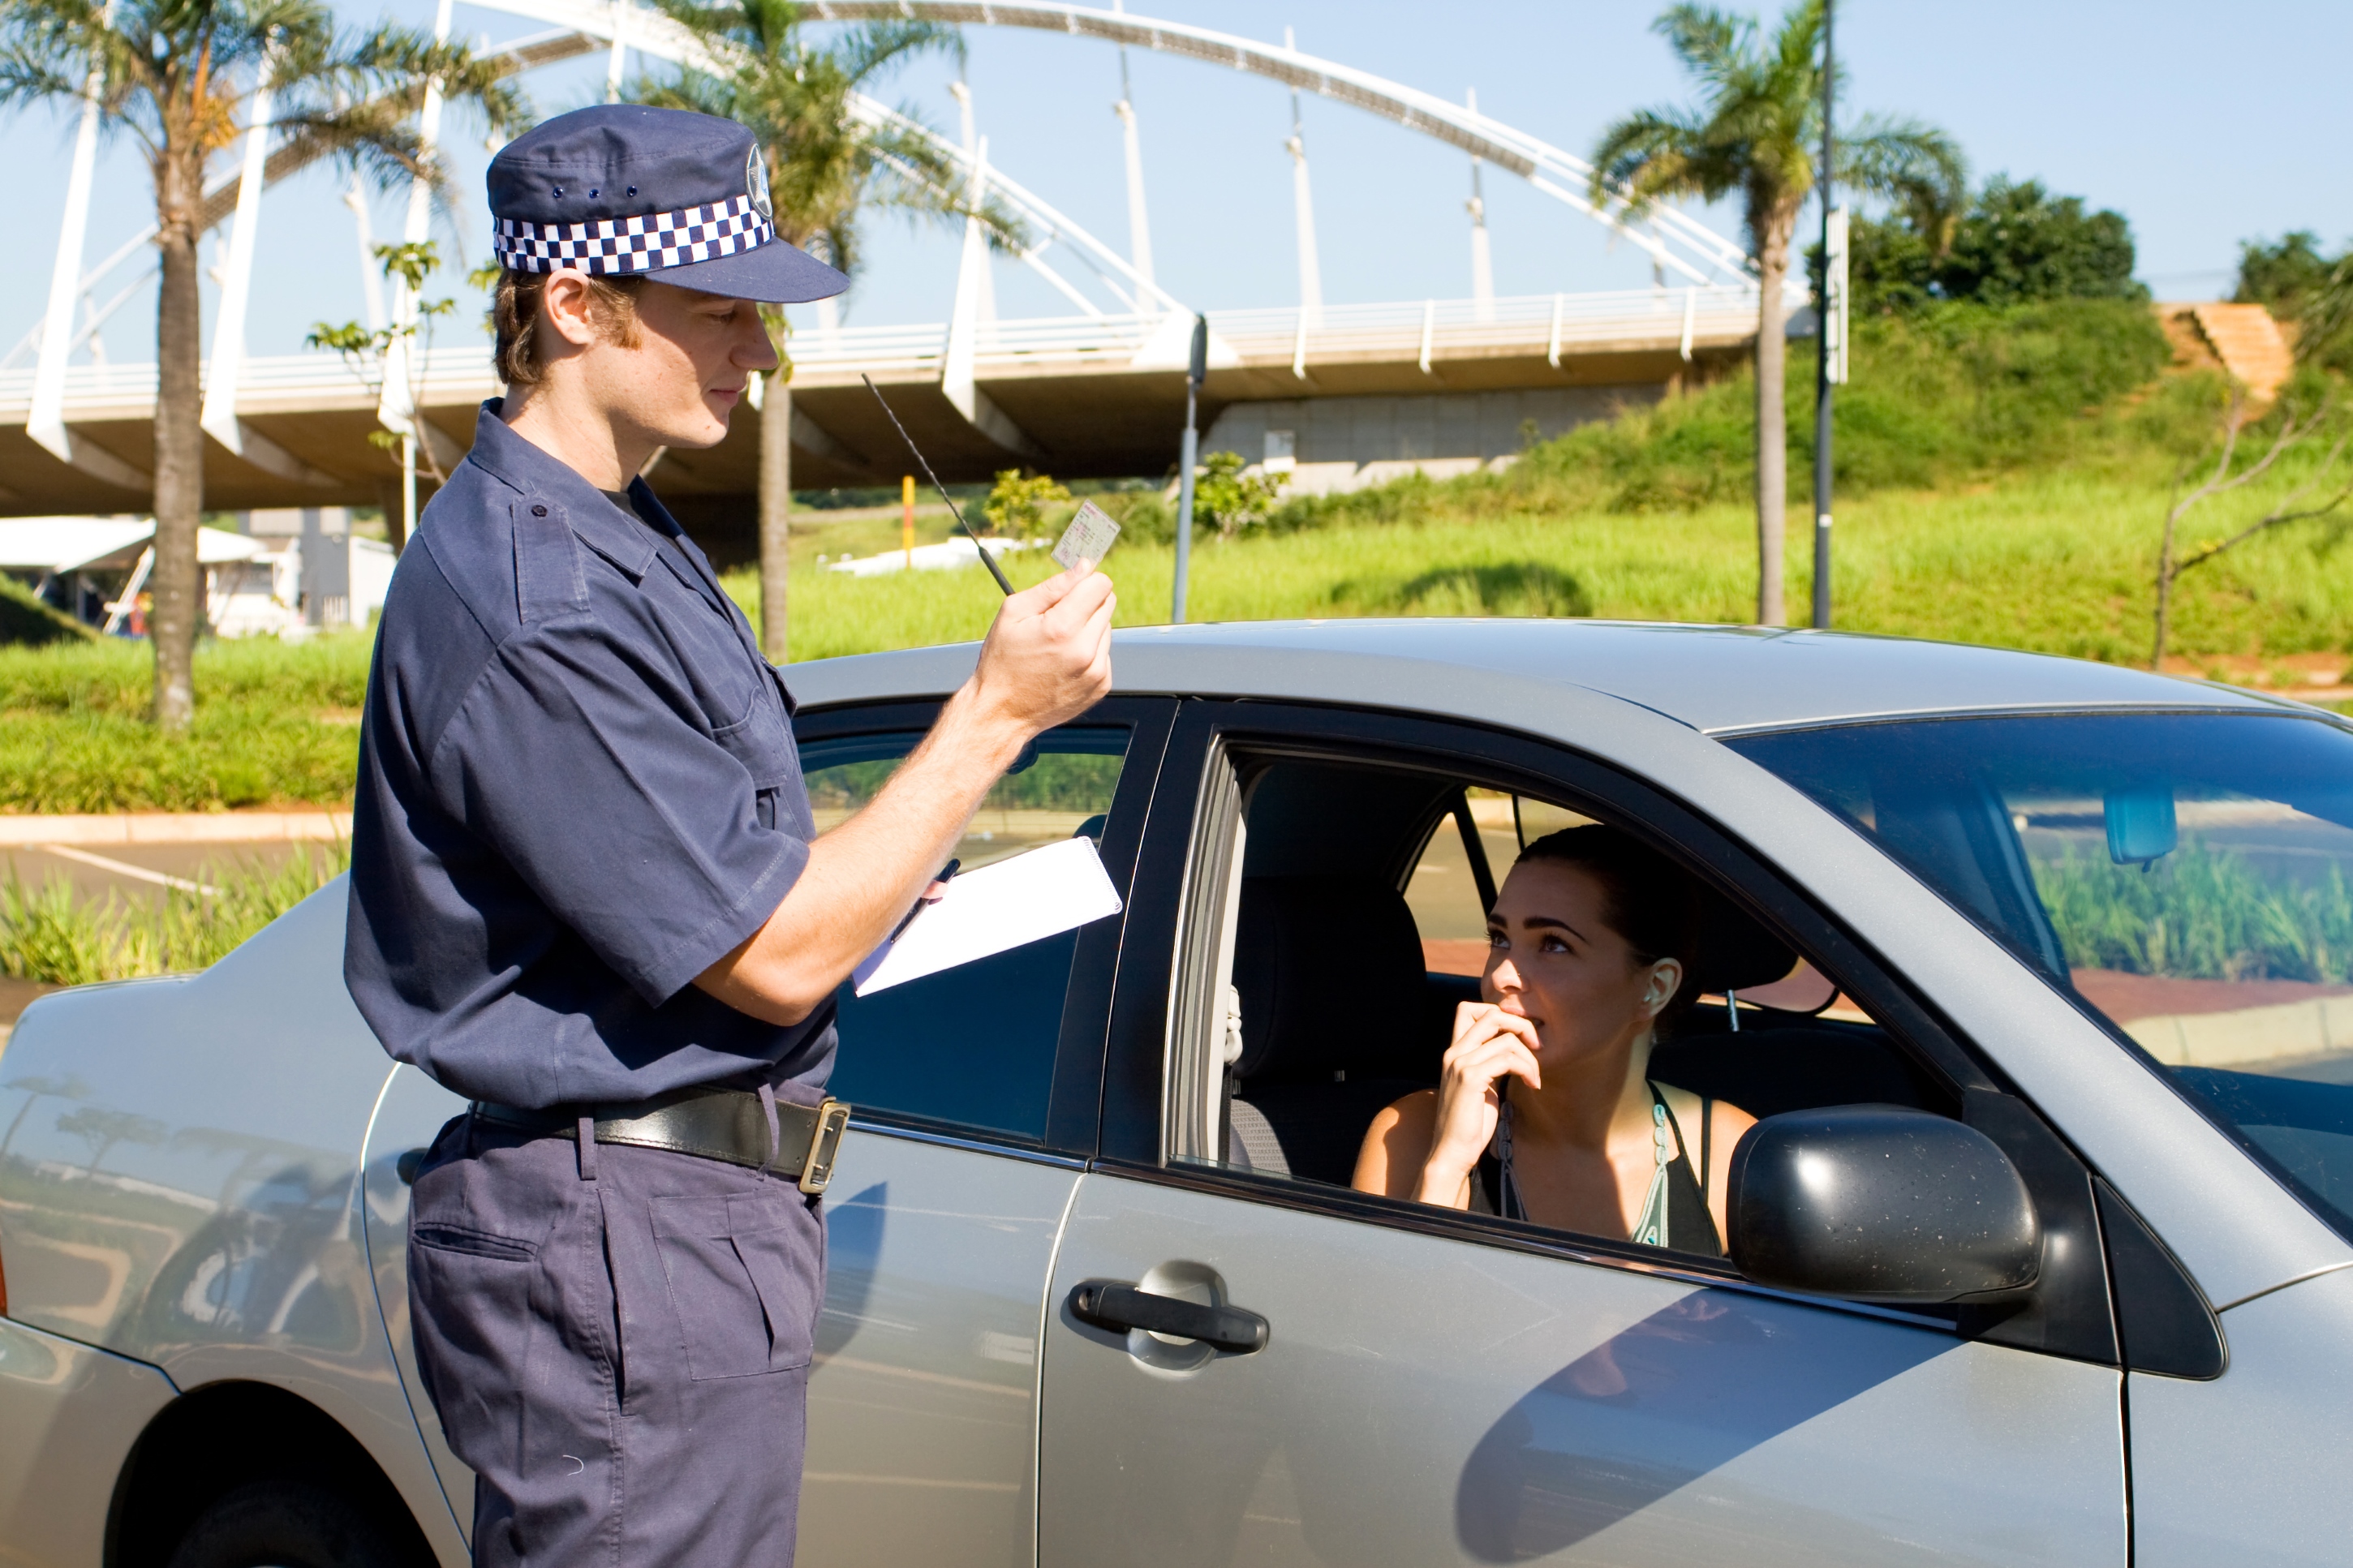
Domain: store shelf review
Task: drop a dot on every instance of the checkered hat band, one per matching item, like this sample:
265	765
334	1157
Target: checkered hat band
646	243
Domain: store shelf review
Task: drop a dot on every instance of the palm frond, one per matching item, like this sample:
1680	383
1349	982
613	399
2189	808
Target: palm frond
824	162
1648	155
1710	42
868	51
1916	166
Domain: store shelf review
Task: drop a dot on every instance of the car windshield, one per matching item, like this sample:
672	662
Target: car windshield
2189	876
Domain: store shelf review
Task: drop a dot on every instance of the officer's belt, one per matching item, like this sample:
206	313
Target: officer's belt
712	1123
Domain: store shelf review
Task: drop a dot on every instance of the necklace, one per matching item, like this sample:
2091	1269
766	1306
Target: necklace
1651	1228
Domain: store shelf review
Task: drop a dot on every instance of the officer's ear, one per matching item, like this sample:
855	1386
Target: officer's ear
577	312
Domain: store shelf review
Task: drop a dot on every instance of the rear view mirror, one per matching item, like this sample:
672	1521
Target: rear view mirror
2141	827
1877	1203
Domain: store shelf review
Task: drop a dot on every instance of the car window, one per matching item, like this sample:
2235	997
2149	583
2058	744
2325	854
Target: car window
1359	931
973	1046
2188	877
1444	891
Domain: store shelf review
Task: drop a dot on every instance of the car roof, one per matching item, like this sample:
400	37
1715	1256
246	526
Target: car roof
1715	678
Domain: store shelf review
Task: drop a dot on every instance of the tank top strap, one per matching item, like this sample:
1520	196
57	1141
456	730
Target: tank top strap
1690	1227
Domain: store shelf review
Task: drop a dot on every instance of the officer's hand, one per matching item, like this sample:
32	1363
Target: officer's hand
1048	657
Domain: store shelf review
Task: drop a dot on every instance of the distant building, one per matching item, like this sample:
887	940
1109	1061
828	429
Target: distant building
271	581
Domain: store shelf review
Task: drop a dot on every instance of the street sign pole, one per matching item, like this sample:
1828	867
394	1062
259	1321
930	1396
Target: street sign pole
1828	367
1197	372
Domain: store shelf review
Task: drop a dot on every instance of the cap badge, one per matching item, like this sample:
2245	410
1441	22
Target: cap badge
755	182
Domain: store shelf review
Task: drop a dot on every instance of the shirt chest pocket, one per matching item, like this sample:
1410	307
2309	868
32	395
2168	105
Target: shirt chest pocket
763	742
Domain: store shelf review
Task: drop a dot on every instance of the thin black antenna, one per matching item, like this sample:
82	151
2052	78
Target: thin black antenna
986	558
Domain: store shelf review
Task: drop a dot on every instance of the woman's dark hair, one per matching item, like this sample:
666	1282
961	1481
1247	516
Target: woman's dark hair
1646	897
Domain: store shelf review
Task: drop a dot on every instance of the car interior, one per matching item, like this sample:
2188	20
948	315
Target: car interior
1340	1012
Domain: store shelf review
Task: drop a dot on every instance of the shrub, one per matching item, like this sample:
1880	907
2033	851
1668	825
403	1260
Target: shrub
48	935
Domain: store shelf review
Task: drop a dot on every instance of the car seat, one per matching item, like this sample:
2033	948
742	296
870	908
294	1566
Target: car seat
1338	1020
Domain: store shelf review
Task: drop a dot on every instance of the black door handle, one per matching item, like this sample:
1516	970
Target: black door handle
1116	1304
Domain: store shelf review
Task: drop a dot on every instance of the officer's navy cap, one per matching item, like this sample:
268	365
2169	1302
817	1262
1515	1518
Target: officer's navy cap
656	193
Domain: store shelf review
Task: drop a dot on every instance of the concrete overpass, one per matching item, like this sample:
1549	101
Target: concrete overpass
1095	396
1345	392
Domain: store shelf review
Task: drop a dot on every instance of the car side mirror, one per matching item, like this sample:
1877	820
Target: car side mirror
1877	1203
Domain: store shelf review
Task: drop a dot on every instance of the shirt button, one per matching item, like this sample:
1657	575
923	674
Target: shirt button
539	511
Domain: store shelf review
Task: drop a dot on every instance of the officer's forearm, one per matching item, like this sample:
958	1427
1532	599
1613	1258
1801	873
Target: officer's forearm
863	877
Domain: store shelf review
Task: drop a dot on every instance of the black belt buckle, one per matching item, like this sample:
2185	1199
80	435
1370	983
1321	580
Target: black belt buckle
824	1145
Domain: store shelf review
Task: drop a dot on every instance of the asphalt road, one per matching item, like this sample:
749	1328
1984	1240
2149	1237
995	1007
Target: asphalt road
141	871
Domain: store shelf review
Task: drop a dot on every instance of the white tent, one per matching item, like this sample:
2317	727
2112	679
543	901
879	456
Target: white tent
61	544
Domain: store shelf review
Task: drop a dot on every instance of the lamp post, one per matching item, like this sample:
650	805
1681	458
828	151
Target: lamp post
1195	372
1830	366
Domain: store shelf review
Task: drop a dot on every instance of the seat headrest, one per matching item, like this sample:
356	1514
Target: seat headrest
1734	953
1331	975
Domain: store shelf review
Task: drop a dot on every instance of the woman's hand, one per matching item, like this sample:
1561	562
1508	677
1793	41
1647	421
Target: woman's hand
1489	1046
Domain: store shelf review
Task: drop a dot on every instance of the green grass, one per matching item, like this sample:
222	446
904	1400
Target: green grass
2056	563
276	724
2201	913
48	935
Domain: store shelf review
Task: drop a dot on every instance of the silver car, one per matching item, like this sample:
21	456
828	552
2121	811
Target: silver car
2073	1286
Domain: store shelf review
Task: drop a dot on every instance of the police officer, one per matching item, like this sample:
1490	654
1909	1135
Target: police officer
587	893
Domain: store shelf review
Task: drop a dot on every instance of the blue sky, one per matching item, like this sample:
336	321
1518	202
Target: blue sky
2203	130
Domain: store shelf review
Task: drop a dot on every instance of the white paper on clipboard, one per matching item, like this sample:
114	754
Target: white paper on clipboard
1024	899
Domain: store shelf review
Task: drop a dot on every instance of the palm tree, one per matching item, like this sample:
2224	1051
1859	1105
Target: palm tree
1753	134
177	74
826	164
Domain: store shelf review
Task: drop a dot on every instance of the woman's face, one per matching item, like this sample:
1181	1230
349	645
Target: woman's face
1552	959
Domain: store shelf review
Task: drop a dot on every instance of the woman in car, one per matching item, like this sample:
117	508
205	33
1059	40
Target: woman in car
1546	1110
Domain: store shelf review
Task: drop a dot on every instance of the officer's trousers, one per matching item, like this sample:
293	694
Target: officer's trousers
618	1341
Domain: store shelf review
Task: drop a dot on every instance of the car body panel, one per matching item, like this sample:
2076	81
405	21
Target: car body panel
1427	1400
200	1174
924	1401
410	1110
72	1415
197	1204
1715	678
2237	1230
2249	1470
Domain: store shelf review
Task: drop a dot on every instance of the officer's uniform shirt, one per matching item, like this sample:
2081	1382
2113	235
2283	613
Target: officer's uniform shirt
579	789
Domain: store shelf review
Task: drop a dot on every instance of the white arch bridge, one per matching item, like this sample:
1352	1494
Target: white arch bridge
1342	394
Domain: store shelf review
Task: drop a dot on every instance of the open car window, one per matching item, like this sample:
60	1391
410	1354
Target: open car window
2188	877
1357	926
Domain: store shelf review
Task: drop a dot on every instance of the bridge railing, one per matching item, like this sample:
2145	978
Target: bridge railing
1431	329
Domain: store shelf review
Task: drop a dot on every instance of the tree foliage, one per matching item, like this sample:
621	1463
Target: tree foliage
2296	283
1016	505
2015	244
827	163
1753	136
1229	499
179	76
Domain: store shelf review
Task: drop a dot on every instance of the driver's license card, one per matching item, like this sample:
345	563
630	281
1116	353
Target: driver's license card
1088	539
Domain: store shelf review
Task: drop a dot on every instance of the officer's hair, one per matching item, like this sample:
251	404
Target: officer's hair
515	313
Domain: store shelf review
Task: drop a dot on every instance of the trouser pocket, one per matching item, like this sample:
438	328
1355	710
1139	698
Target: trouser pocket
743	1275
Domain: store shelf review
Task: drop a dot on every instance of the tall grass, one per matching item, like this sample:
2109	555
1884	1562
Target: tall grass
2201	913
2055	562
48	934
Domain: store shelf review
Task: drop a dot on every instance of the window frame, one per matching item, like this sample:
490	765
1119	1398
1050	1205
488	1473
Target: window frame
1074	1100
2074	1318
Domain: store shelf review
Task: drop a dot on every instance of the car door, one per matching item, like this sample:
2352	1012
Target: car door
975	1094
976	1091
1435	1386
